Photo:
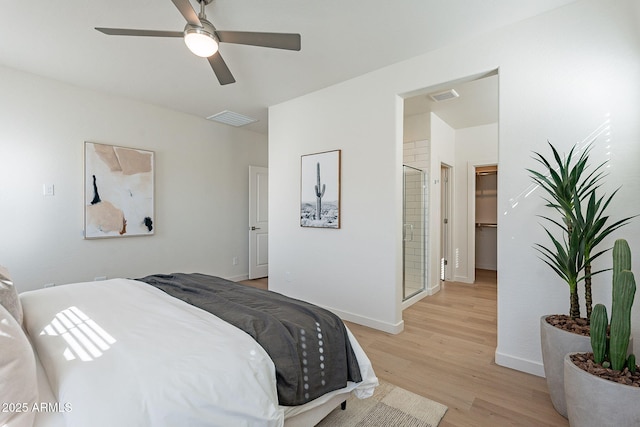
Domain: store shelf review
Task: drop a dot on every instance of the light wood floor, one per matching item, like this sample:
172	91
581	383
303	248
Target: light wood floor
446	353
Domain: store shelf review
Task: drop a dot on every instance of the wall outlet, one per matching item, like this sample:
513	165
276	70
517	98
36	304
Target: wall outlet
48	285
48	190
287	276
235	260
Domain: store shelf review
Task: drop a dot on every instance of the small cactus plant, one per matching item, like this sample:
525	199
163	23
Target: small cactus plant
621	319
599	323
631	363
624	289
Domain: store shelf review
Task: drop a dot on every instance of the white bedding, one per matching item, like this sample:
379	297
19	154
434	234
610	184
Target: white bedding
120	352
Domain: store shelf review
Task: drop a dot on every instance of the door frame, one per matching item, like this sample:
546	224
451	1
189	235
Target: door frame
446	215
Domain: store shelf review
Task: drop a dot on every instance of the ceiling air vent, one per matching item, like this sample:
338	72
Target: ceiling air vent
443	96
230	118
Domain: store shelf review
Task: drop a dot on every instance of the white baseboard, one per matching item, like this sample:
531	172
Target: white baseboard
414	299
463	279
367	321
351	317
519	364
434	289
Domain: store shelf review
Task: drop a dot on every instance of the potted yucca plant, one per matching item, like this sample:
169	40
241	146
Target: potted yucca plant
569	184
609	373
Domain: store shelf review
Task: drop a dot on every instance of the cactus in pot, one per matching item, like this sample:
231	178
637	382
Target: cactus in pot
598	397
624	289
576	229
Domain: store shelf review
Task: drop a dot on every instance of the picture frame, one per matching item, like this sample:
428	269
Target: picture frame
118	191
320	190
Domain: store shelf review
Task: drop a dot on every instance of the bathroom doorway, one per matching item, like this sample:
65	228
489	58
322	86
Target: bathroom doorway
458	122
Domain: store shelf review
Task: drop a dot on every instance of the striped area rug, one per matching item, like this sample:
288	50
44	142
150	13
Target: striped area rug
389	406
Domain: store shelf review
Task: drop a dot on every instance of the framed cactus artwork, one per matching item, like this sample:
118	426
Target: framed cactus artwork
320	190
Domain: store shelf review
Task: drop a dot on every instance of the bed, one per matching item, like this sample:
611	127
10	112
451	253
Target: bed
133	352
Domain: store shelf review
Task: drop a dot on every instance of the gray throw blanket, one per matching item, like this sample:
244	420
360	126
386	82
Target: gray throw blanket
308	345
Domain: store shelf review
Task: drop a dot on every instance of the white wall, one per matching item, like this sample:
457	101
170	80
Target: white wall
353	270
583	62
417	127
201	185
562	74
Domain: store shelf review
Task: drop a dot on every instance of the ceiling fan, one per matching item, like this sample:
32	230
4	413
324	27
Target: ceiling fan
202	38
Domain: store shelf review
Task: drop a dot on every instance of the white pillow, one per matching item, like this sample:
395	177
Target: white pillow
9	296
18	382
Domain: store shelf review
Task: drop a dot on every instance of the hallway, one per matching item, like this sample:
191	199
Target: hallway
446	353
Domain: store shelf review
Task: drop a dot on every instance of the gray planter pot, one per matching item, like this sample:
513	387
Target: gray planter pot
594	402
556	343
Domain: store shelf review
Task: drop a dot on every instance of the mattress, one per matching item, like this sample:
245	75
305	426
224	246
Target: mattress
120	352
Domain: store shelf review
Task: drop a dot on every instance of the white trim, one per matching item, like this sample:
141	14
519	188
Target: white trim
492	267
450	209
355	318
519	364
367	321
463	279
432	290
414	299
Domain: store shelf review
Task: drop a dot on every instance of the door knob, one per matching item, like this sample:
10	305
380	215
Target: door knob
255	228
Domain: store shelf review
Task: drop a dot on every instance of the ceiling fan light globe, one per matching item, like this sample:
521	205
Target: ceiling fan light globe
201	43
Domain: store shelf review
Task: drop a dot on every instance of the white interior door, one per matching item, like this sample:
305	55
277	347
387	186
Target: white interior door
258	222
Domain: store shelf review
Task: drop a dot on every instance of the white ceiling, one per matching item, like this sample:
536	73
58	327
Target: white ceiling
476	105
341	39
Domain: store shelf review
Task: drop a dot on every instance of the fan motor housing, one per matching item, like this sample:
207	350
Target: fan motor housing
207	28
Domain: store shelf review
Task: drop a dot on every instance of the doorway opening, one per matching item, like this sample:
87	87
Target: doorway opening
485	213
461	132
458	131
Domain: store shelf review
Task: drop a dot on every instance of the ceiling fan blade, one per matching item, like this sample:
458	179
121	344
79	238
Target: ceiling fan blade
143	33
275	40
220	69
187	11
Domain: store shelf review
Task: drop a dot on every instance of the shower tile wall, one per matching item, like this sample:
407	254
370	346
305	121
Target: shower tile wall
416	154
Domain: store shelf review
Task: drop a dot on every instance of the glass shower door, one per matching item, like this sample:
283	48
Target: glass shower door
414	223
